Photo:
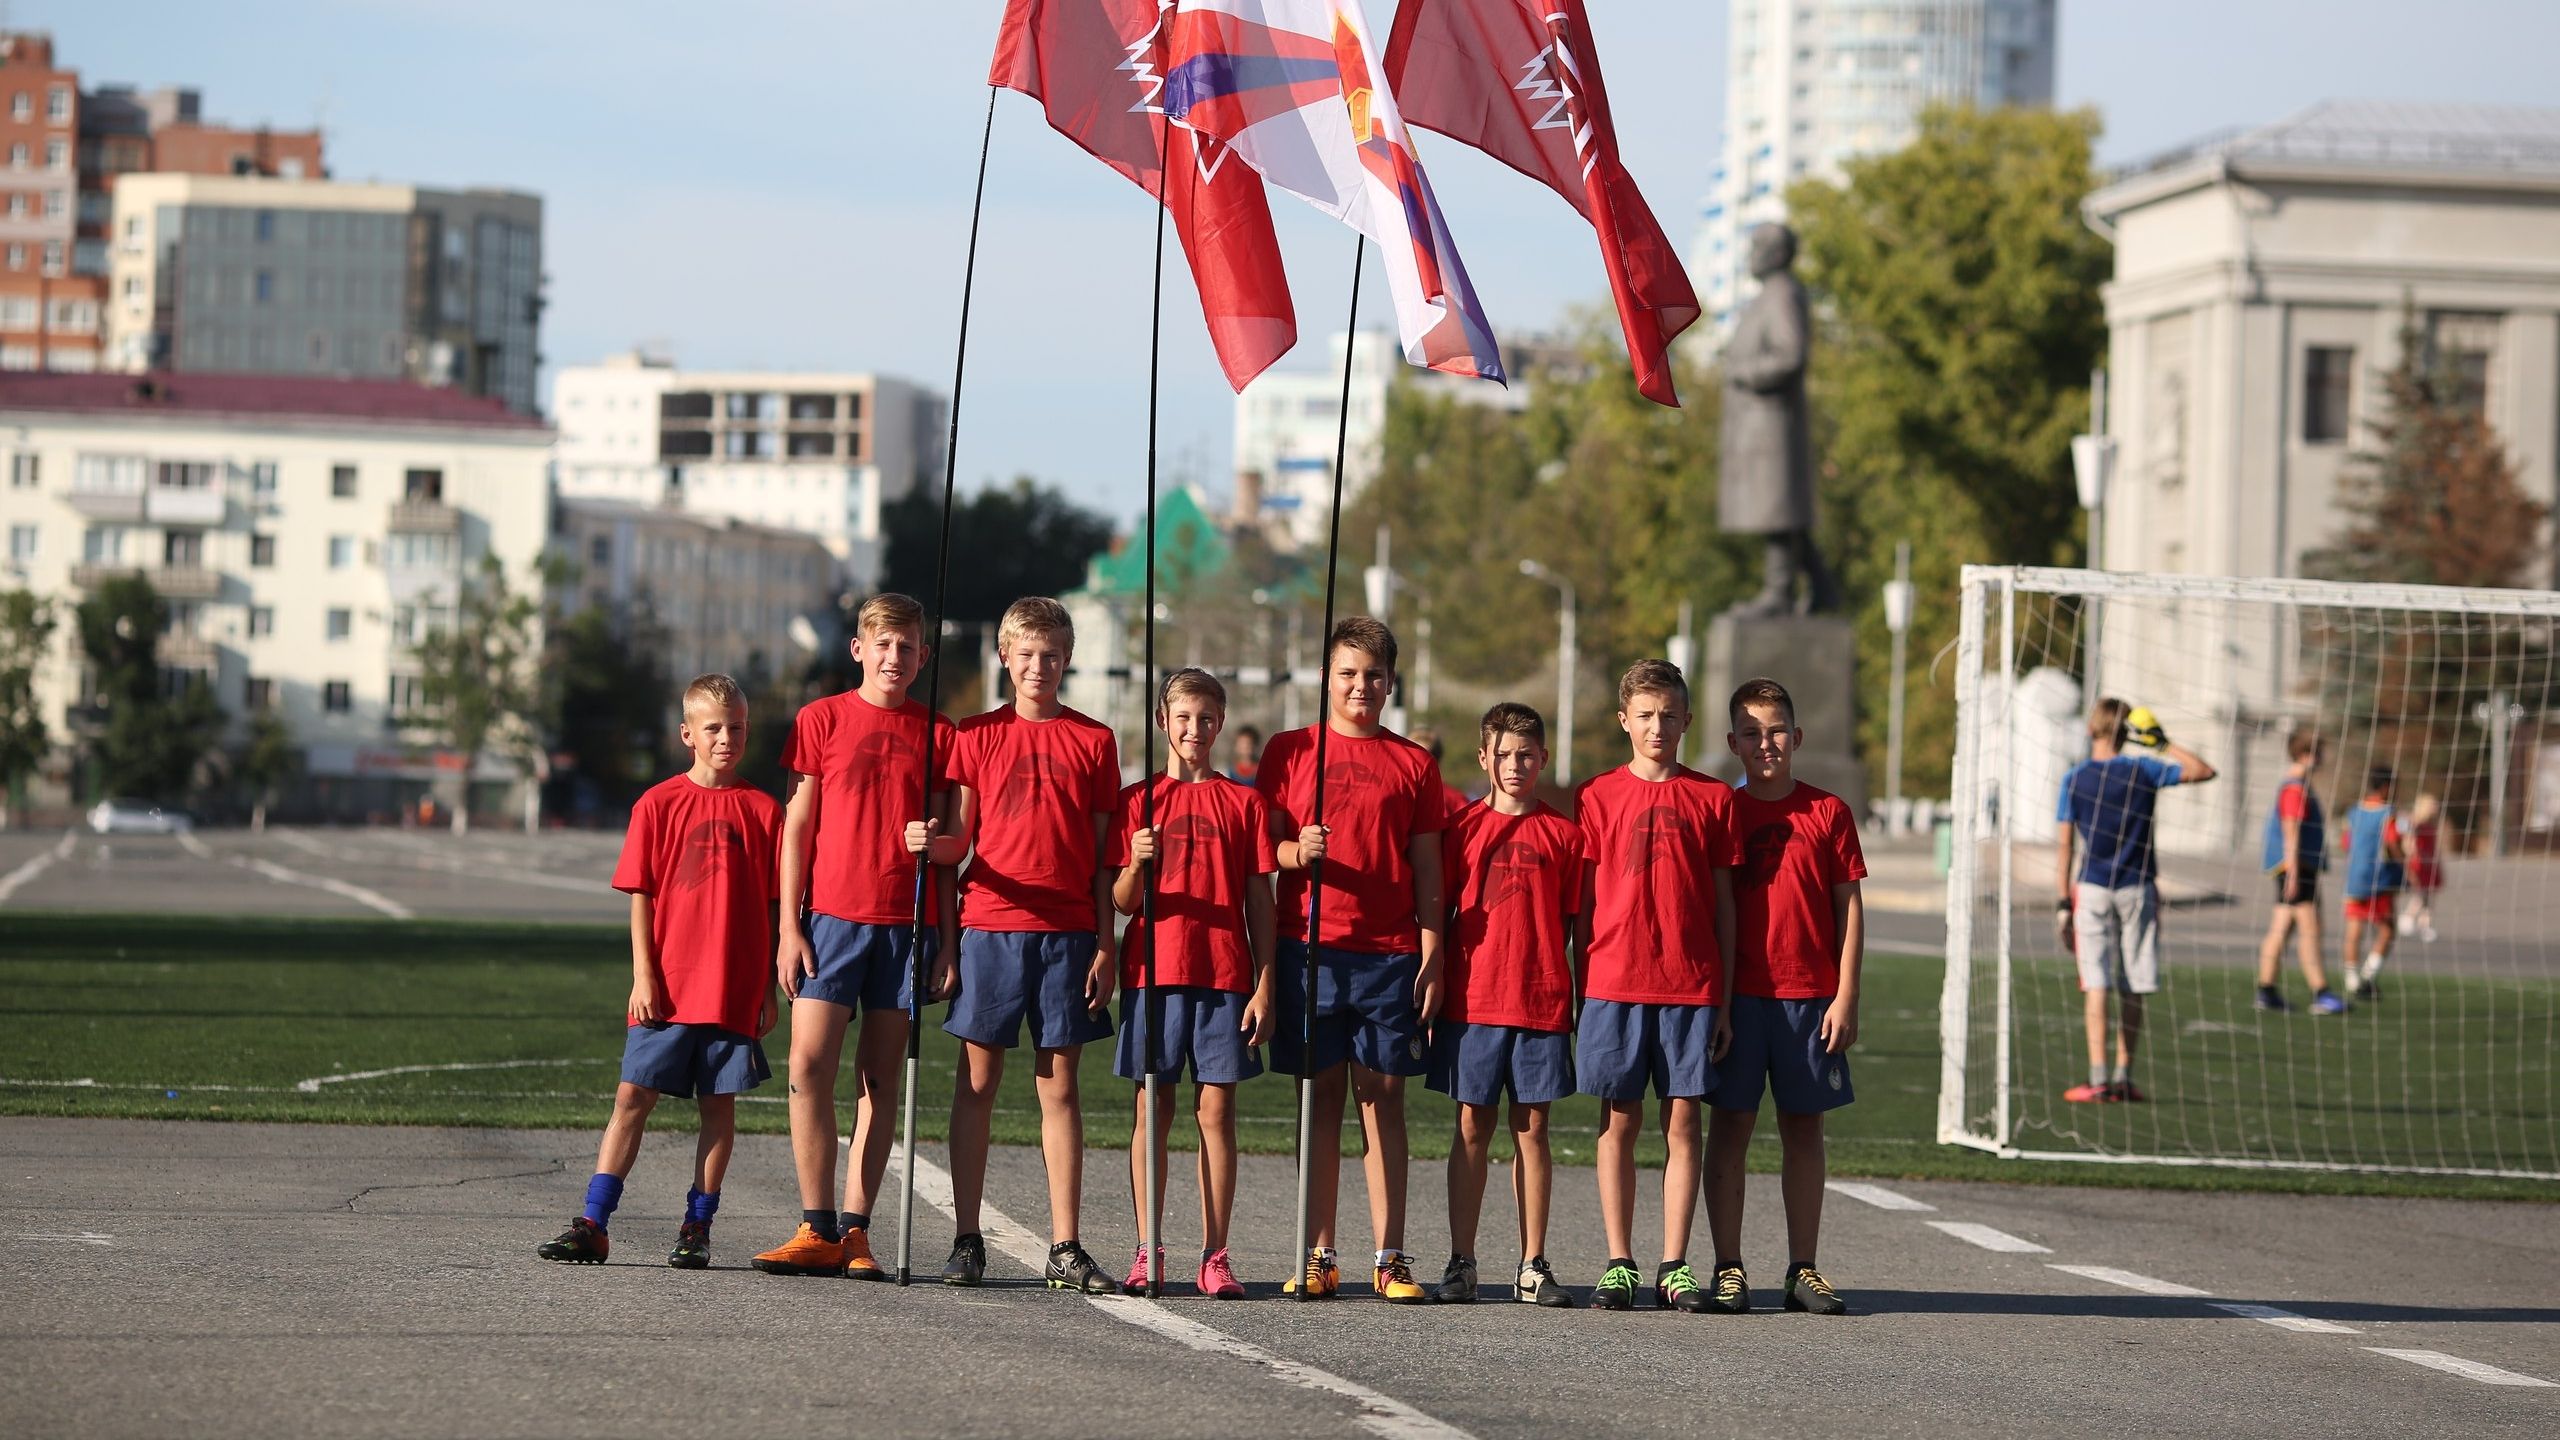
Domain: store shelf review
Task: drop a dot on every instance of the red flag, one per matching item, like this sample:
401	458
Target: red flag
1519	80
1096	67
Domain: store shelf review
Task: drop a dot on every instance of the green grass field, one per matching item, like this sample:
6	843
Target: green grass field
461	1024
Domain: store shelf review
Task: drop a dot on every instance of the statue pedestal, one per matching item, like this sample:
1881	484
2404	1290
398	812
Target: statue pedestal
1815	657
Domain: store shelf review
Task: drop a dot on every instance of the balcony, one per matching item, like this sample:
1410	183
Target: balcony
190	505
424	517
188	652
123	507
173	582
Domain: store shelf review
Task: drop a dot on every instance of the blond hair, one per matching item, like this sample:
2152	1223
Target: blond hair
1190	682
715	689
1033	615
889	610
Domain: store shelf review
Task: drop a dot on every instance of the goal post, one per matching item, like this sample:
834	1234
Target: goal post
2447	1059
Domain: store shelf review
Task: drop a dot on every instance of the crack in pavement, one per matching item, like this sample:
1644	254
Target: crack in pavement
556	1167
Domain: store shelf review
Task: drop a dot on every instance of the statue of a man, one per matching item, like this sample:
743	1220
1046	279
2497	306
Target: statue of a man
1765	486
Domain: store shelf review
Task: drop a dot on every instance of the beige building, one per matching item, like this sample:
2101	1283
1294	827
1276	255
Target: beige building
725	590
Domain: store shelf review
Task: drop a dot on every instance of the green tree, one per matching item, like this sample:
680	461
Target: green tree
266	762
1007	541
615	699
1961	292
151	733
481	680
26	632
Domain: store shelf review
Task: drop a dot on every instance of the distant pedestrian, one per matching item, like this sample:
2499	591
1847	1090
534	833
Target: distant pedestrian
1244	754
2376	871
2426	867
2296	851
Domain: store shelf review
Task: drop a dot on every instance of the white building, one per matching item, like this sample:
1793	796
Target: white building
726	591
305	533
1813	83
814	452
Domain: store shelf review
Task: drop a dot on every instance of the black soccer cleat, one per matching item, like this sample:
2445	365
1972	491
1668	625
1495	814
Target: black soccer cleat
1617	1288
583	1243
968	1262
1072	1269
1730	1294
1808	1291
693	1247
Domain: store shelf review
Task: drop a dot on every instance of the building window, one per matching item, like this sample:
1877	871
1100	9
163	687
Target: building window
262	621
21	107
342	551
423	485
103	545
22	544
262	479
404	625
17	257
17	204
257	693
600	551
342	482
18	156
266	226
53	257
2328	384
57	103
2462	347
57	154
263	286
342	622
337	697
22	470
53	202
182	549
262	551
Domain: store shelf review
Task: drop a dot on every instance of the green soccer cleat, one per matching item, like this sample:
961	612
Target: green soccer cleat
583	1243
1809	1292
1675	1287
693	1247
1731	1294
1617	1288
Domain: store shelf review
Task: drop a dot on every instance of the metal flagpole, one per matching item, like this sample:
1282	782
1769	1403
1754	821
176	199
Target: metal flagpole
1150	1207
932	694
1324	728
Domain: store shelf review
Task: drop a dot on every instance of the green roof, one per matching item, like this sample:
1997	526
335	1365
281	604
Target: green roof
1189	548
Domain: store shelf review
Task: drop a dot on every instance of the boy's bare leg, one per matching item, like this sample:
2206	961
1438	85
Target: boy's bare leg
1680	1167
1324	1167
973	1105
2128	1033
718	1140
1533	1176
1138	1152
1214	1106
817	1046
2354	946
1382	1127
1728	1157
2093	1018
879	1060
1469	1156
621	1144
1802	1167
2306	935
1061	1138
1620	1122
2271	949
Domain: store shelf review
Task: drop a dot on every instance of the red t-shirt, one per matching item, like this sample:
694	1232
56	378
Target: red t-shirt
1515	878
1652	845
706	860
1216	838
1039	786
1379	793
869	767
1793	852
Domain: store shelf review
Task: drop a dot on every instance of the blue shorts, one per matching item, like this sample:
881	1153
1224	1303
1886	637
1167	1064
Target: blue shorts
1009	976
863	967
1474	1064
1191	1024
1780	1041
1624	1046
678	1060
1363	1012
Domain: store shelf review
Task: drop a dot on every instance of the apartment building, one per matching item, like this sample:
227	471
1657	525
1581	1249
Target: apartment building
725	591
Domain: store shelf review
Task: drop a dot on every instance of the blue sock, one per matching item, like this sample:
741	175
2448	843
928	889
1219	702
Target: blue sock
699	1208
604	1194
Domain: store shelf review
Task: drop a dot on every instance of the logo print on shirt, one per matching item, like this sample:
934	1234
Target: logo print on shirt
875	759
705	850
1027	783
1763	850
1654	837
1185	838
1511	872
1345	777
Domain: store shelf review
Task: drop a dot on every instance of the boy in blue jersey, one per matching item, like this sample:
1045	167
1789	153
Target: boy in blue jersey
2110	904
2296	852
2377	857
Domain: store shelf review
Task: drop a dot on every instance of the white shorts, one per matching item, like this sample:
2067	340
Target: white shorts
2117	934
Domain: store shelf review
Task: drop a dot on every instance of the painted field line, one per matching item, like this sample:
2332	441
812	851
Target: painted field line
1380	1415
37	865
2131	1281
188	842
1988	1238
312	1085
2467	1369
305	843
2285	1319
1876	1195
362	896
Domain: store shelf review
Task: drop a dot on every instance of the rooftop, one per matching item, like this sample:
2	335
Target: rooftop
278	397
2504	141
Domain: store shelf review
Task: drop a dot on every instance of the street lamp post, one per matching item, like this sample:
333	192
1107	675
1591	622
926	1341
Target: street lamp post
1564	668
2093	463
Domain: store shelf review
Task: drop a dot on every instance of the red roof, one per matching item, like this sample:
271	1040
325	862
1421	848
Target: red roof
304	397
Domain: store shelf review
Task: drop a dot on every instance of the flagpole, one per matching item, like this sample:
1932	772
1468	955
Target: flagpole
1150	1207
932	696
1324	729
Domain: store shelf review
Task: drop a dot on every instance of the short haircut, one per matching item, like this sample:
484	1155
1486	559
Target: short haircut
2302	745
1428	737
889	610
1191	682
1759	690
1368	636
714	689
2107	721
1656	677
2378	778
1033	615
1511	718
1248	732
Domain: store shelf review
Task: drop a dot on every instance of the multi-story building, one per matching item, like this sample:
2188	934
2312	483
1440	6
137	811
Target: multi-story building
305	532
725	591
1813	83
817	453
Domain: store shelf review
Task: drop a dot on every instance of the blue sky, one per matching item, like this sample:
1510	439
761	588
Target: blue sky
764	182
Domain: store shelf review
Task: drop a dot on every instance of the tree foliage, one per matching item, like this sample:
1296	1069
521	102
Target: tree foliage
481	679
266	761
615	700
1007	541
27	624
150	736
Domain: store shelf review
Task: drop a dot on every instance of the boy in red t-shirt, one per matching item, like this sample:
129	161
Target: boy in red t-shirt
1657	963
856	763
1378	958
1801	938
1036	786
1212	853
698	862
1517	864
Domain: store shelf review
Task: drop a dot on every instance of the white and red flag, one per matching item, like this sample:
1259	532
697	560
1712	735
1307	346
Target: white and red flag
1519	80
1294	89
1097	69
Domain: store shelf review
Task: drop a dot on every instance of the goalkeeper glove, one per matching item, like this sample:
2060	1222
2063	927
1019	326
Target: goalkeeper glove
2143	728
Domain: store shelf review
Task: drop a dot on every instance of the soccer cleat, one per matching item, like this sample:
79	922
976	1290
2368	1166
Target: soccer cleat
693	1247
858	1264
1136	1284
1617	1289
1321	1276
806	1253
1809	1292
2355	981
1457	1282
1218	1277
1732	1293
2126	1090
1072	1269
583	1243
1395	1284
2090	1094
2325	1003
968	1262
1537	1285
1676	1288
2270	998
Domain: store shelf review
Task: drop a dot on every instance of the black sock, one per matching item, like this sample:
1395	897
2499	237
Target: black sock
1456	1256
1062	1247
1627	1261
1724	1264
968	1236
822	1221
856	1220
1666	1267
1796	1265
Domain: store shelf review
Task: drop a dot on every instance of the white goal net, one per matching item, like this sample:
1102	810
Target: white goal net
2441	1058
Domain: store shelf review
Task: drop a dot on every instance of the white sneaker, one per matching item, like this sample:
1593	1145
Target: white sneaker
2354	981
2427	933
2372	967
2408	925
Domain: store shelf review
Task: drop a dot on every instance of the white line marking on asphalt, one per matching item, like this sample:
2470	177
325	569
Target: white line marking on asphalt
357	893
37	865
424	856
2286	1319
2131	1281
1877	1195
188	842
312	1085
85	1237
1988	1238
1380	1415
304	843
2467	1369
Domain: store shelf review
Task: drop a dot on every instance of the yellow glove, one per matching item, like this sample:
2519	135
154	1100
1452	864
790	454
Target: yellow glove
2143	728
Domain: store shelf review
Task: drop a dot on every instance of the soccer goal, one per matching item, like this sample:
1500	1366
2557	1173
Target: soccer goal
2443	1059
